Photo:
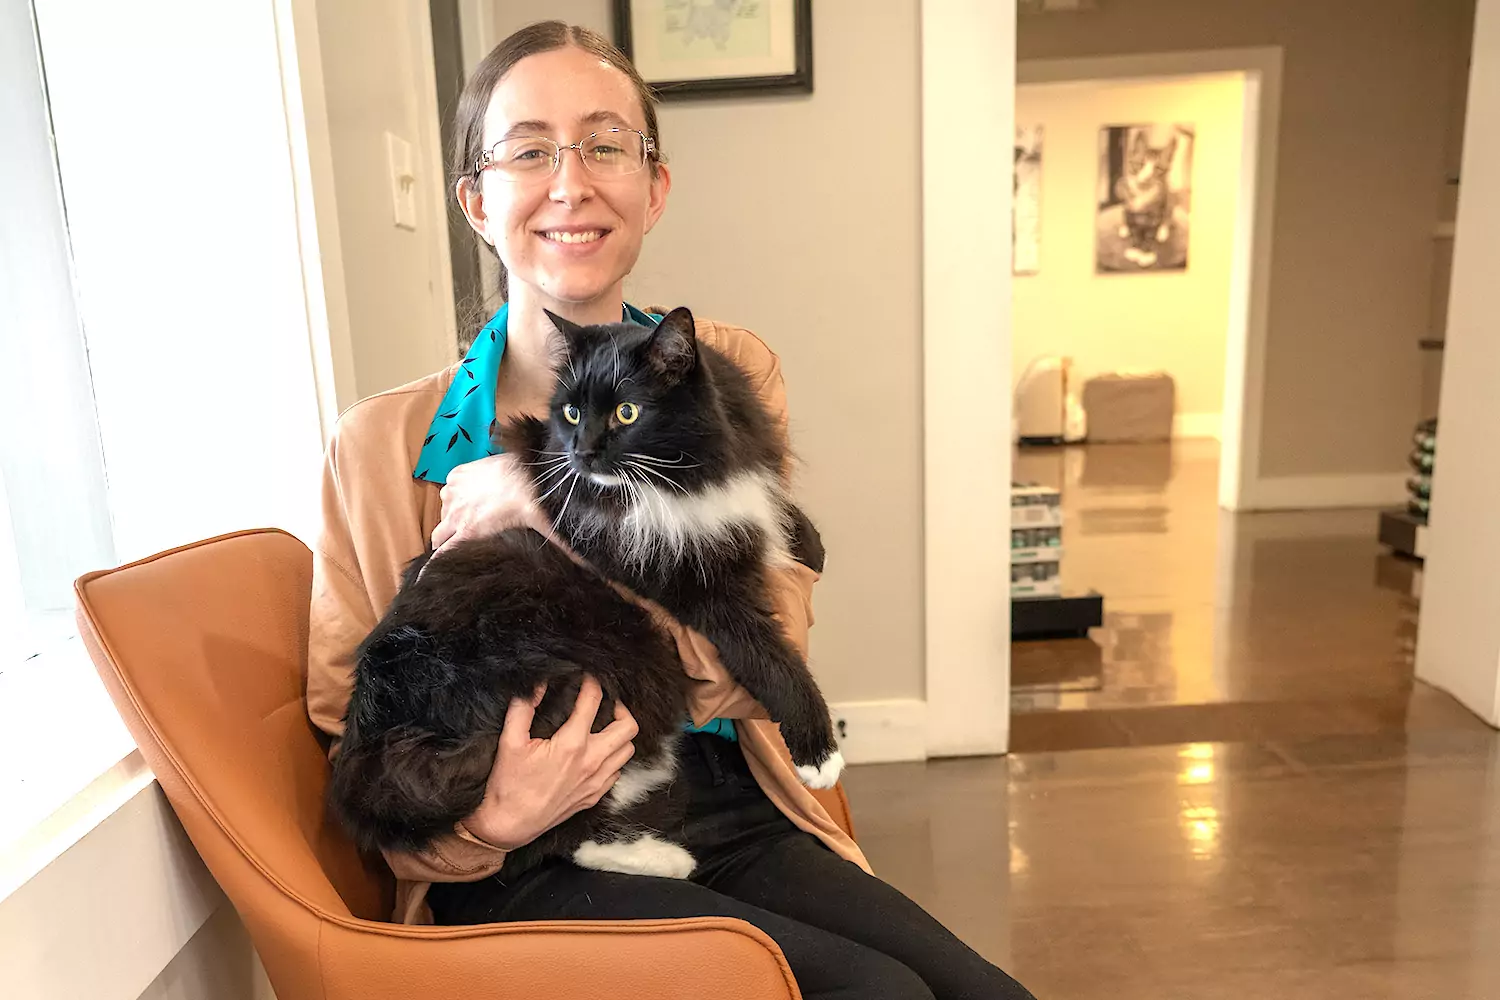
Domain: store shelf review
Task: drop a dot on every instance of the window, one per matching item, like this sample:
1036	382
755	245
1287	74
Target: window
54	515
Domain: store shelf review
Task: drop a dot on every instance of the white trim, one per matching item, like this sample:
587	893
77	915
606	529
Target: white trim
1313	492
432	182
880	732
1197	425
104	919
1250	274
315	193
968	75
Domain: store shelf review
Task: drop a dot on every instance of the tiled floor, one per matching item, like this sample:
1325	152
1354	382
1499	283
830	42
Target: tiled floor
1356	867
1273	626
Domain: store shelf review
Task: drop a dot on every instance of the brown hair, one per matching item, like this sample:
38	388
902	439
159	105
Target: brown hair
474	102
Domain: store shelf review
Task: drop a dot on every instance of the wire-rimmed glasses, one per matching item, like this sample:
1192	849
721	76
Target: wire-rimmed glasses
610	153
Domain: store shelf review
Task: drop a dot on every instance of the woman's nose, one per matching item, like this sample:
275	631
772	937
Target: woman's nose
571	181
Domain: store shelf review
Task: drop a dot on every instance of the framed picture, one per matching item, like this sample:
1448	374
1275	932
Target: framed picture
1145	198
1026	208
718	48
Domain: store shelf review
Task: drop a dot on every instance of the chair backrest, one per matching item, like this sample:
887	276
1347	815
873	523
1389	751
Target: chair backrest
204	650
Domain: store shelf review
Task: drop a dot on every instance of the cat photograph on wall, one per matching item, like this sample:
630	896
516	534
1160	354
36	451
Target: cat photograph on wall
1145	198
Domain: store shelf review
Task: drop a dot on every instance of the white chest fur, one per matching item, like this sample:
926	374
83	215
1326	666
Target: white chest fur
664	524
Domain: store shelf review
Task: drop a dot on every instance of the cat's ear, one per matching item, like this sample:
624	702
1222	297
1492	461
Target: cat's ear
672	350
566	327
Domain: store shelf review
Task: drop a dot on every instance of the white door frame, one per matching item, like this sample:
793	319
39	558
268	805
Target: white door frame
968	124
1250	272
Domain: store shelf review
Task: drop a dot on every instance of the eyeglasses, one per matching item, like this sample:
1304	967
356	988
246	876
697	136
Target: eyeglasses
611	153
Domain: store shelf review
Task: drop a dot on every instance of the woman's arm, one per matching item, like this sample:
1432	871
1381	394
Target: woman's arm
340	616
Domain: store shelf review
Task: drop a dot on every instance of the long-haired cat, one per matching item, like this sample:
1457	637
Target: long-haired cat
1147	198
659	467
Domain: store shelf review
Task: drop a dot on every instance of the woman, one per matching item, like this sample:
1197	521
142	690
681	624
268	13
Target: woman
559	173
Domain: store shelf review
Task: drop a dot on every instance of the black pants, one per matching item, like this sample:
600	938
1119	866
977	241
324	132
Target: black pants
844	933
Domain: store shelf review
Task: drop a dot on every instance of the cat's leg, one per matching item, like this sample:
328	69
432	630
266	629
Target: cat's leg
755	652
647	854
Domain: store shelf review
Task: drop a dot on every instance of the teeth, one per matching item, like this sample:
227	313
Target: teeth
588	237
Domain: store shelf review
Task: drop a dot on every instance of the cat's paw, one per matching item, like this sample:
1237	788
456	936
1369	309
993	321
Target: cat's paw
648	854
824	775
1163	233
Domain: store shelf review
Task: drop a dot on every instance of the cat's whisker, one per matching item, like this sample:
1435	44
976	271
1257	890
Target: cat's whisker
568	499
666	479
554	488
662	462
616	345
548	462
542	479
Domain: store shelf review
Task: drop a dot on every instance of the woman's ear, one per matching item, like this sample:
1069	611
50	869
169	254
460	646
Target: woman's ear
471	200
661	184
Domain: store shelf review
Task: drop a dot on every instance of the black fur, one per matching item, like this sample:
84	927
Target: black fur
491	619
486	623
700	425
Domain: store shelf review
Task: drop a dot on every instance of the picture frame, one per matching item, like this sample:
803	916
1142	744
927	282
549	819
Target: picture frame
694	49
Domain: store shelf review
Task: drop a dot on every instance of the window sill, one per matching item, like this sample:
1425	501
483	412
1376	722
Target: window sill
100	888
67	762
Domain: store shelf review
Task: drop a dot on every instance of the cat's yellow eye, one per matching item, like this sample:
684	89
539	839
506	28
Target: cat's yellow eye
571	414
627	413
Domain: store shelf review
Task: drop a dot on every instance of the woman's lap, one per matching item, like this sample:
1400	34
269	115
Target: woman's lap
844	932
824	964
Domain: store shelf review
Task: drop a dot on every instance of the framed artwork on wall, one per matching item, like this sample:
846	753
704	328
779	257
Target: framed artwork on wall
1026	206
718	48
1145	201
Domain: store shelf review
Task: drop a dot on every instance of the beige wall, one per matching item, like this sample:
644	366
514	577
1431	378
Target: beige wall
378	77
1171	320
770	225
1365	119
217	963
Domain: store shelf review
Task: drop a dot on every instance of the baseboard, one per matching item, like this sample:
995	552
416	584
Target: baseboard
880	732
1310	492
1197	425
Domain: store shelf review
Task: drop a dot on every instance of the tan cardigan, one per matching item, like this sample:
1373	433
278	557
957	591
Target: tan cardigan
377	518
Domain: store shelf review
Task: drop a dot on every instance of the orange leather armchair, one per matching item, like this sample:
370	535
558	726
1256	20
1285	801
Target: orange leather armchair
203	649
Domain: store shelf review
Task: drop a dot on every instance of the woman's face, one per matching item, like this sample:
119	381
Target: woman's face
565	95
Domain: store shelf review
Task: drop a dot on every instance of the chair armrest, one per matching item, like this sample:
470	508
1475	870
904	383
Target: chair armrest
555	960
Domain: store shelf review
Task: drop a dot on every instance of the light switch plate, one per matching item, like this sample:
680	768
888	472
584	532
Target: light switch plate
398	157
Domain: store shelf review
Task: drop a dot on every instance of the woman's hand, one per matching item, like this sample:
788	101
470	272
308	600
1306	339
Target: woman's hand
536	784
485	497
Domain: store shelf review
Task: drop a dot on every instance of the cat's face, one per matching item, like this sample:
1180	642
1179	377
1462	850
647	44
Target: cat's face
1146	162
627	413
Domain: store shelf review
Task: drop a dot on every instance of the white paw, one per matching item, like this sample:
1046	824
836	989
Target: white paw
825	776
646	855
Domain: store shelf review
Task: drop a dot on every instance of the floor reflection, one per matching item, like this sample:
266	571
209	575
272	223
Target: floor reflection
1337	867
1282	625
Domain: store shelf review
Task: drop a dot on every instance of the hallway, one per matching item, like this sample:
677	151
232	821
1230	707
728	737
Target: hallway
1218	627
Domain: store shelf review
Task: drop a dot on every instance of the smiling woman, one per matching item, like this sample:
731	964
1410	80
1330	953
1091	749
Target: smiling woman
558	170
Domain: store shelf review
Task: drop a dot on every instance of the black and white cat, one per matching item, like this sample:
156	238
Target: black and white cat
660	468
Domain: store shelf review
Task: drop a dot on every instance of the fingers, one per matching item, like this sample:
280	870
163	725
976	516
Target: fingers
590	696
517	727
617	760
620	731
